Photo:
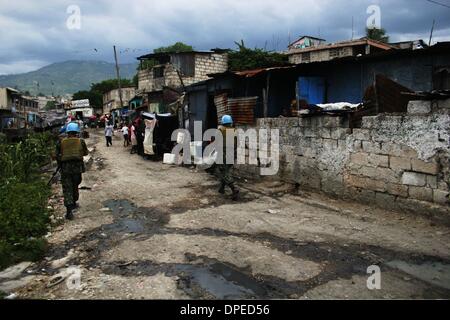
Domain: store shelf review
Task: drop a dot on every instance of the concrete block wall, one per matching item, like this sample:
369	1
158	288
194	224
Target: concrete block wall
393	161
204	64
208	64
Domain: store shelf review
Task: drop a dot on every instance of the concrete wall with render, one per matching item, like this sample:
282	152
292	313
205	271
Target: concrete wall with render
393	161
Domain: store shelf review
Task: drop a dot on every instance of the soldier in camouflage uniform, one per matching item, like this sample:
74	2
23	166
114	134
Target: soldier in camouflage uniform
225	170
69	154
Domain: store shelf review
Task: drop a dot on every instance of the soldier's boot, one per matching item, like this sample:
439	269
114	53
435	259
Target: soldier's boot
222	188
235	193
69	214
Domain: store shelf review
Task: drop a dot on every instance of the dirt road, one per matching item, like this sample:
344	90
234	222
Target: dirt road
151	231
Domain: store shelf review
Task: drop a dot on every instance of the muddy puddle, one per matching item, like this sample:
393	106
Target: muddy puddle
204	279
128	218
217	280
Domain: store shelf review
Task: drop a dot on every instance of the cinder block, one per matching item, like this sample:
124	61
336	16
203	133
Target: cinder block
371	122
387	175
385	200
359	158
441	197
419	107
399	163
365	183
330	144
304	122
330	122
371	147
409	152
414	179
310	132
379	160
362	134
420	193
397	189
432	182
325	133
442	185
425	167
369	172
340	133
357	146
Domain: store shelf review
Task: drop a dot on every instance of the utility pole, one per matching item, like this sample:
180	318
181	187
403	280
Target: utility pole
118	78
353	28
431	34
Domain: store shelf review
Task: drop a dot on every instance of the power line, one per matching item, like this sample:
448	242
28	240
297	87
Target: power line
439	3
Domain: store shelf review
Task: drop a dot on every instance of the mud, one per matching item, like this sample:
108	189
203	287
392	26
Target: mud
146	230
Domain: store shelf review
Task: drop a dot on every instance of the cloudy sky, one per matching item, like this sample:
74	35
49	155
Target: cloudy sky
36	33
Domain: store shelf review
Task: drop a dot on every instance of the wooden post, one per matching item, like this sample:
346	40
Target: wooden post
118	78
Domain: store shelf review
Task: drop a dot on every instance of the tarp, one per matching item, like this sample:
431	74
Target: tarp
148	140
338	106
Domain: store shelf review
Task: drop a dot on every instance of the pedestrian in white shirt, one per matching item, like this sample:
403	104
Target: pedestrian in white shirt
126	141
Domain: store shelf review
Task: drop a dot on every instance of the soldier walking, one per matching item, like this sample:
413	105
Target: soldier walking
225	169
69	154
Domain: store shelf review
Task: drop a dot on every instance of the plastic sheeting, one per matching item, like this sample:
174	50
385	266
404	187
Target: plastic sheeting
148	140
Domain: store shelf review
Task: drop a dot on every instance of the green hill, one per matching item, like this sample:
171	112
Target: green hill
68	77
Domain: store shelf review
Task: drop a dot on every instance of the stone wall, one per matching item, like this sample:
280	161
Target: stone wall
394	161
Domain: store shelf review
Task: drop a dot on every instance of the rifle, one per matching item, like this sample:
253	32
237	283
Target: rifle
54	175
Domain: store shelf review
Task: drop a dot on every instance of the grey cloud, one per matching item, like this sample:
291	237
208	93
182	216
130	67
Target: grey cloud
36	32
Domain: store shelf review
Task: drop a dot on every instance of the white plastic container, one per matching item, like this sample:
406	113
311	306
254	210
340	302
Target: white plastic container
169	158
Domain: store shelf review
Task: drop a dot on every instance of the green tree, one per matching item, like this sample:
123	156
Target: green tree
97	90
377	34
50	105
177	47
245	58
135	80
111	84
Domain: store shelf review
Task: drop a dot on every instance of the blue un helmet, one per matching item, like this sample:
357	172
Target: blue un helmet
73	127
226	119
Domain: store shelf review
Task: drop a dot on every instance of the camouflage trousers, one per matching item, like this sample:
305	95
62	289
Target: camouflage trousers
70	183
224	172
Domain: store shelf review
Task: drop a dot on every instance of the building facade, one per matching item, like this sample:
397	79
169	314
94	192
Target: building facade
17	110
319	51
176	70
111	99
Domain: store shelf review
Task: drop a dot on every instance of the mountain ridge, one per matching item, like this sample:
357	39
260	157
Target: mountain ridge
68	76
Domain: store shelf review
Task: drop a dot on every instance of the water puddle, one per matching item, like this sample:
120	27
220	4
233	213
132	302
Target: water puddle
128	218
219	280
435	273
120	207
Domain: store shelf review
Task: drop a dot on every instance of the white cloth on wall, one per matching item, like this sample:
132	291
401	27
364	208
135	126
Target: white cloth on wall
148	140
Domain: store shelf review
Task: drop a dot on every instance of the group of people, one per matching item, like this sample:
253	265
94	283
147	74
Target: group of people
71	149
129	133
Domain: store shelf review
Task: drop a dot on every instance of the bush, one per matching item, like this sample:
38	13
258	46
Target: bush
24	218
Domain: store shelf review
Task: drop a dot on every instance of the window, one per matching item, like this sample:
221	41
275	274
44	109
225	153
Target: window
185	63
334	53
306	57
158	72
